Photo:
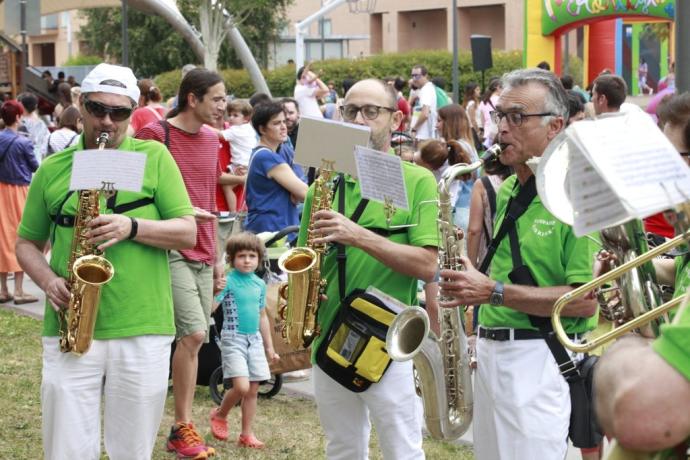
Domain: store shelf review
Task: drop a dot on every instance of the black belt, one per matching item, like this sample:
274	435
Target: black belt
502	335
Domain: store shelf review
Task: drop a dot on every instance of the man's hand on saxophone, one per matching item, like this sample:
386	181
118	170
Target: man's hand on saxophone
57	291
108	229
333	227
466	287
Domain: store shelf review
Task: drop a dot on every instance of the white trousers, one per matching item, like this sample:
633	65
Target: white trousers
391	403
521	402
132	376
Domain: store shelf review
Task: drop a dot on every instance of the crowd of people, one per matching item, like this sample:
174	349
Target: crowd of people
218	172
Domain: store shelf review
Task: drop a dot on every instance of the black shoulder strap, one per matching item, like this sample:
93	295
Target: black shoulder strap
516	208
341	256
566	366
166	128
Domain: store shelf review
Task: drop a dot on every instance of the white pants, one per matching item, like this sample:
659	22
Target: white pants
521	402
392	404
132	376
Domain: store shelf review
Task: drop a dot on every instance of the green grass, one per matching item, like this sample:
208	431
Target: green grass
288	424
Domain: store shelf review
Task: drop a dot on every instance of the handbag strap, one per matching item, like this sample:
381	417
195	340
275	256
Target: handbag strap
341	255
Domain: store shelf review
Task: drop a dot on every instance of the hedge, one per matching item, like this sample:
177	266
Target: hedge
281	81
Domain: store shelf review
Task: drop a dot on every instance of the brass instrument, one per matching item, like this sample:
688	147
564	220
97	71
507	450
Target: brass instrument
639	292
88	271
304	287
442	363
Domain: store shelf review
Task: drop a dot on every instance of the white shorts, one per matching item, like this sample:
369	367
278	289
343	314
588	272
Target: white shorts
244	356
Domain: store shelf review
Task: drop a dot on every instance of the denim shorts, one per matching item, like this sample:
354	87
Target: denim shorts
243	356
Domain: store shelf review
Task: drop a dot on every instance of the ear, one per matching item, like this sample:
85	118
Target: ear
396	119
555	126
191	100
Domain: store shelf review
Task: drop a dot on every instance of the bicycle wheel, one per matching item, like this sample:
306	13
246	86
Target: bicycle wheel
217	385
271	387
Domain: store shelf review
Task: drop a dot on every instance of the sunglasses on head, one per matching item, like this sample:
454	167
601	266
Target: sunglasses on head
99	110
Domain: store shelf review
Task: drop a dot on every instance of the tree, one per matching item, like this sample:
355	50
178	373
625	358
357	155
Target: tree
153	49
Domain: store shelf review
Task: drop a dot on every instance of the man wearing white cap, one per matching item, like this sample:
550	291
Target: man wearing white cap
126	368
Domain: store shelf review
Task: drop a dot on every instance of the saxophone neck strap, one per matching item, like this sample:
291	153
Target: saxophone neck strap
341	254
516	208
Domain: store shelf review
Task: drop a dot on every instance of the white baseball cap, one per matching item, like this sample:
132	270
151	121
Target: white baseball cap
113	79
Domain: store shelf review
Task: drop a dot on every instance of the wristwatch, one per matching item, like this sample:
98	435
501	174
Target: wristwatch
496	297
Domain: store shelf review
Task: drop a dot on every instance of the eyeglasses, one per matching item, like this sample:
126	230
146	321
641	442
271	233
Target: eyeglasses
368	111
516	118
416	76
99	110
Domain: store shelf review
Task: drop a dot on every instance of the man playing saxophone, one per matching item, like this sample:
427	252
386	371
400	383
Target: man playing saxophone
374	255
126	367
522	403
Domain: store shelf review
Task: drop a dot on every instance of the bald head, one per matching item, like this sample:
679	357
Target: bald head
372	92
375	86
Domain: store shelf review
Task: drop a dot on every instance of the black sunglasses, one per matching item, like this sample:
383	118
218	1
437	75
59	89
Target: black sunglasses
99	110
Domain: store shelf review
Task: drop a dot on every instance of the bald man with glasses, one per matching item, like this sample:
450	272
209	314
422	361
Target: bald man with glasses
389	260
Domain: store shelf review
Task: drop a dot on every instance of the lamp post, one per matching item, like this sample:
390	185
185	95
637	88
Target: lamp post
125	38
456	83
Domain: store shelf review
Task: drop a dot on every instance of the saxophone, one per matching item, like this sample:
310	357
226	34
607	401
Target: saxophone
442	363
304	287
88	271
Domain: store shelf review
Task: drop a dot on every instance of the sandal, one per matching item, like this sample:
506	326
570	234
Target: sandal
250	441
7	298
25	298
219	425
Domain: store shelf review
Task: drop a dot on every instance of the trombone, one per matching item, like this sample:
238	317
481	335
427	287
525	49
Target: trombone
634	323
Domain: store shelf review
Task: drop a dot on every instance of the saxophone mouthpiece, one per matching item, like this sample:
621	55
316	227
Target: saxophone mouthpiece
493	152
102	140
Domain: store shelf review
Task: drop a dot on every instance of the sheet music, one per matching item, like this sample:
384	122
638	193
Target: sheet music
381	177
321	139
627	169
125	170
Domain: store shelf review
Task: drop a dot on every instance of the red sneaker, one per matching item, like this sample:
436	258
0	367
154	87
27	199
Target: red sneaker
186	442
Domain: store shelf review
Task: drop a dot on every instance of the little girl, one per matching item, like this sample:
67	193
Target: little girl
245	338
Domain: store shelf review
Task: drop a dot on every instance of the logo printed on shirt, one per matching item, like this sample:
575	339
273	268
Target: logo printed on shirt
543	227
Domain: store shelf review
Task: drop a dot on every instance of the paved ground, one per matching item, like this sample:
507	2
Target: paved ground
301	388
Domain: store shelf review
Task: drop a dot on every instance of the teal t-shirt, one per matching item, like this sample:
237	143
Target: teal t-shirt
555	256
138	299
242	300
363	270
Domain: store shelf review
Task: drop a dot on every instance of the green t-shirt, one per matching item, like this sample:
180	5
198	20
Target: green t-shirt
363	270
674	343
551	251
138	299
682	276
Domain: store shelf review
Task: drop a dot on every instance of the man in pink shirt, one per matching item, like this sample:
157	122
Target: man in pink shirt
197	272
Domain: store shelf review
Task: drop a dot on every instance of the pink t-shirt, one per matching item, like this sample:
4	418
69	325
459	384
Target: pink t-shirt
197	157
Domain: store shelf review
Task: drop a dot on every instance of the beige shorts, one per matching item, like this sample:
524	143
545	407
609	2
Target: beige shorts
192	289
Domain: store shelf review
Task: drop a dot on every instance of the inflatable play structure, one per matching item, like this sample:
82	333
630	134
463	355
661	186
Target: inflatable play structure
612	36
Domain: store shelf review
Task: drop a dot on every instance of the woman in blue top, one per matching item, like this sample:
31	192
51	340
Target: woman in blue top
17	163
273	189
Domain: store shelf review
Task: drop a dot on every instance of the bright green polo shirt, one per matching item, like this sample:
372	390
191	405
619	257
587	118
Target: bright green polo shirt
552	252
682	276
674	343
363	270
138	300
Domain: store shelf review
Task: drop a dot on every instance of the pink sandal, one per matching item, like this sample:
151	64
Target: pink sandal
219	425
250	441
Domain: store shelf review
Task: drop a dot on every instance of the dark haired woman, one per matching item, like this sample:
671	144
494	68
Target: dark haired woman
272	189
150	108
470	103
17	163
68	133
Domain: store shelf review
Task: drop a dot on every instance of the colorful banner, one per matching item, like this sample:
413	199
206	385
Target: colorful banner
558	14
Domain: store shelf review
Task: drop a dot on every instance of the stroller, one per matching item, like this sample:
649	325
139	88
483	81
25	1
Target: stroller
210	363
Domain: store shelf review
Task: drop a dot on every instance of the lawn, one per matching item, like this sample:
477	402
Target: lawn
288	424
